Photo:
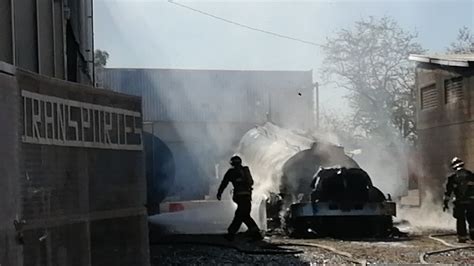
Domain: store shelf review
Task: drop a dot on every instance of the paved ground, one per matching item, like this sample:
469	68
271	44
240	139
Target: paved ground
213	249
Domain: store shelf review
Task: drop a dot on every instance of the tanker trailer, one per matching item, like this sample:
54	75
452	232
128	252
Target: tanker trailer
283	163
299	169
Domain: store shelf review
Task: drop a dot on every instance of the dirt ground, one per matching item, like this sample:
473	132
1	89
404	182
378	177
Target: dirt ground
214	249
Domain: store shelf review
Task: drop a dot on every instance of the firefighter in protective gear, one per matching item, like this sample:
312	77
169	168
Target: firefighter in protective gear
461	183
242	181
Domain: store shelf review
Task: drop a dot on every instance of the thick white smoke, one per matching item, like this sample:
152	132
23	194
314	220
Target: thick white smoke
265	149
386	162
429	216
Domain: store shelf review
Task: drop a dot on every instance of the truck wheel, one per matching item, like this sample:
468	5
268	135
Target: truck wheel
295	229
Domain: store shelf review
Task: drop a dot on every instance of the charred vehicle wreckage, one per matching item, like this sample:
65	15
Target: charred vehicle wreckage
343	203
322	191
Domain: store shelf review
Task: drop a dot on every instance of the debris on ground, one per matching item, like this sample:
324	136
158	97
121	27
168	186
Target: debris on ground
192	249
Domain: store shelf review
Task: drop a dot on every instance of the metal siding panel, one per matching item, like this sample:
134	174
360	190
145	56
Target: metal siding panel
82	19
6	31
26	38
75	19
46	37
79	26
58	39
214	96
90	37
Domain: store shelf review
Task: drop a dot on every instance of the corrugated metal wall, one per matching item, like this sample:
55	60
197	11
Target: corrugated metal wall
26	34
6	32
45	38
202	114
33	35
218	95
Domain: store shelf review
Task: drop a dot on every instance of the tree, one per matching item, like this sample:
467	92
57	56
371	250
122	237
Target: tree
464	43
370	60
337	128
100	58
100	61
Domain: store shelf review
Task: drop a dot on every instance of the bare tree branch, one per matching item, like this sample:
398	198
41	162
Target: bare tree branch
464	43
371	61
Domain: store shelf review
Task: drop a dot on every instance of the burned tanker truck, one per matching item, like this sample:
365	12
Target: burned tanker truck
313	187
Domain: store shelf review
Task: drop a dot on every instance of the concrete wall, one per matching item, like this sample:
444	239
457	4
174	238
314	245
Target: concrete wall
74	172
446	129
10	205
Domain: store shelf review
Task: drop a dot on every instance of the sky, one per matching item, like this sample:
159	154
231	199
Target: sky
159	34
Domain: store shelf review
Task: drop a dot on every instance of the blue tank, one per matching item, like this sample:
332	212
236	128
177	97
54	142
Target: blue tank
159	169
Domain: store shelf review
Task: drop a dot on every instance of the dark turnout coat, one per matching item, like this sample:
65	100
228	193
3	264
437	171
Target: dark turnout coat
240	178
461	184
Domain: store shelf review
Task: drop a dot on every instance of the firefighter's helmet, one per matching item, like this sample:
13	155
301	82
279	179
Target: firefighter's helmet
457	163
235	160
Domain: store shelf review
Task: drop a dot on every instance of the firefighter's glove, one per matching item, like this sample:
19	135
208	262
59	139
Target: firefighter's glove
219	196
445	205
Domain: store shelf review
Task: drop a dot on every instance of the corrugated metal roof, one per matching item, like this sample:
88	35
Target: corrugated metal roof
459	60
215	95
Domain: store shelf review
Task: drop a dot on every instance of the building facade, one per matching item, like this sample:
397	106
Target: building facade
445	116
72	187
72	166
49	37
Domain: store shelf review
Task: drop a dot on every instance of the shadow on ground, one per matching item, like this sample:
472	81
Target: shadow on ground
210	249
